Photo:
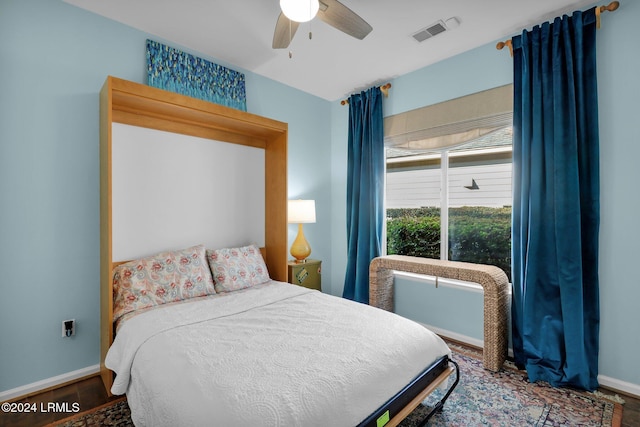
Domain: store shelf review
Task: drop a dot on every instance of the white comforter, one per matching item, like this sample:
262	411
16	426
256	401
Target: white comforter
272	355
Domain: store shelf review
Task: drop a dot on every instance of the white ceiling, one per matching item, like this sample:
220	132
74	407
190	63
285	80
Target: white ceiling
331	65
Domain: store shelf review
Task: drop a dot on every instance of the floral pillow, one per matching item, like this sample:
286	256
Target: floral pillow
160	279
237	268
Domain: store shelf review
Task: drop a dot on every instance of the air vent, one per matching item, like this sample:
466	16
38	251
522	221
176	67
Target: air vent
430	31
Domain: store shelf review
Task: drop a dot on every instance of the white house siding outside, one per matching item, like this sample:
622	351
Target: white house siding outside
413	178
421	187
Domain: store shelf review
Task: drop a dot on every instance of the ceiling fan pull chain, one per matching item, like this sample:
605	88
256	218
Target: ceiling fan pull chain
290	52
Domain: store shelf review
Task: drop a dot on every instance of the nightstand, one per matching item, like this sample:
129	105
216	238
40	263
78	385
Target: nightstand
306	274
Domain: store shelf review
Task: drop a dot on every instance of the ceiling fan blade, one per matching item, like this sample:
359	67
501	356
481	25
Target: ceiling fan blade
344	19
284	32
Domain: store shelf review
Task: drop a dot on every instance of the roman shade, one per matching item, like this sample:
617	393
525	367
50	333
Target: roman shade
452	122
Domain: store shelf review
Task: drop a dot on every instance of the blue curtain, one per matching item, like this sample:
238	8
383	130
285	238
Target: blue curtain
365	191
556	309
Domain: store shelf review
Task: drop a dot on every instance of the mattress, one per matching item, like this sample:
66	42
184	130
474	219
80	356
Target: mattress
270	355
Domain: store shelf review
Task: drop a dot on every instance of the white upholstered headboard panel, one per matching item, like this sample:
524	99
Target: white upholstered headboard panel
172	191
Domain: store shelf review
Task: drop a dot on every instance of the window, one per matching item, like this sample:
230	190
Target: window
448	192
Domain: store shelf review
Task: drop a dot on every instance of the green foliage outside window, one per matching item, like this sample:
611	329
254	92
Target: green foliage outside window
480	235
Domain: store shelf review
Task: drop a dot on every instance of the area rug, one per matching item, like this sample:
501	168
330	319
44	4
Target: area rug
482	398
507	398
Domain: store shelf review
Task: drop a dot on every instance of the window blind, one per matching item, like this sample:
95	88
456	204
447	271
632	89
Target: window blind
452	122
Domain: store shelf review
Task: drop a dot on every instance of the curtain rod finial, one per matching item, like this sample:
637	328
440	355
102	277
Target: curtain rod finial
500	45
385	89
614	5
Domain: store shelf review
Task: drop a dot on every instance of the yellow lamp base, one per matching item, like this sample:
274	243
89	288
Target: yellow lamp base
300	248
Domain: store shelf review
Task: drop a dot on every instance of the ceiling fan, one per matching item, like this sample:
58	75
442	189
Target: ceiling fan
332	12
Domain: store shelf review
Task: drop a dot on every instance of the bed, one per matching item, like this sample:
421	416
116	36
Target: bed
207	335
204	351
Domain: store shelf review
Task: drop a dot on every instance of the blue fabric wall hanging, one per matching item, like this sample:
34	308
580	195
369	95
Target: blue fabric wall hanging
176	71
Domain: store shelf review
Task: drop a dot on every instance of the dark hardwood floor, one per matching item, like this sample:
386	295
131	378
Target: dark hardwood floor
631	412
90	393
87	394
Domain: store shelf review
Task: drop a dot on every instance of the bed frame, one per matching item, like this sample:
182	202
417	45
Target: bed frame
135	104
406	400
139	105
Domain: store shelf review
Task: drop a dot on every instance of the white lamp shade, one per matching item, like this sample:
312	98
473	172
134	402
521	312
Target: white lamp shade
301	211
300	10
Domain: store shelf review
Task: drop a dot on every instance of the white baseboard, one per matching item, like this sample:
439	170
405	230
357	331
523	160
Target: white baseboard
619	385
461	338
607	382
47	383
455	336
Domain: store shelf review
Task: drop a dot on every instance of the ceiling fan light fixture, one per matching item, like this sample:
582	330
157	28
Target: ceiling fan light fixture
300	10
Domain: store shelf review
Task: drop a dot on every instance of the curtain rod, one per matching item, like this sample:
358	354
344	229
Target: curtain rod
384	89
608	8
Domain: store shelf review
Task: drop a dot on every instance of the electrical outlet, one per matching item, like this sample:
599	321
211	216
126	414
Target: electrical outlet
68	328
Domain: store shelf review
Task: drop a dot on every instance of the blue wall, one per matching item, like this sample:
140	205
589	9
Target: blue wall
54	59
484	68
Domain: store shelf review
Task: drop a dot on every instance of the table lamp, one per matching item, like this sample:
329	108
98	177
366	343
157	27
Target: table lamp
301	212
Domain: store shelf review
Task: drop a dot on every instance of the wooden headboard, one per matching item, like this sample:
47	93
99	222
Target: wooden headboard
135	104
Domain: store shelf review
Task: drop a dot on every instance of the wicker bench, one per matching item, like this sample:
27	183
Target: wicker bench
491	278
